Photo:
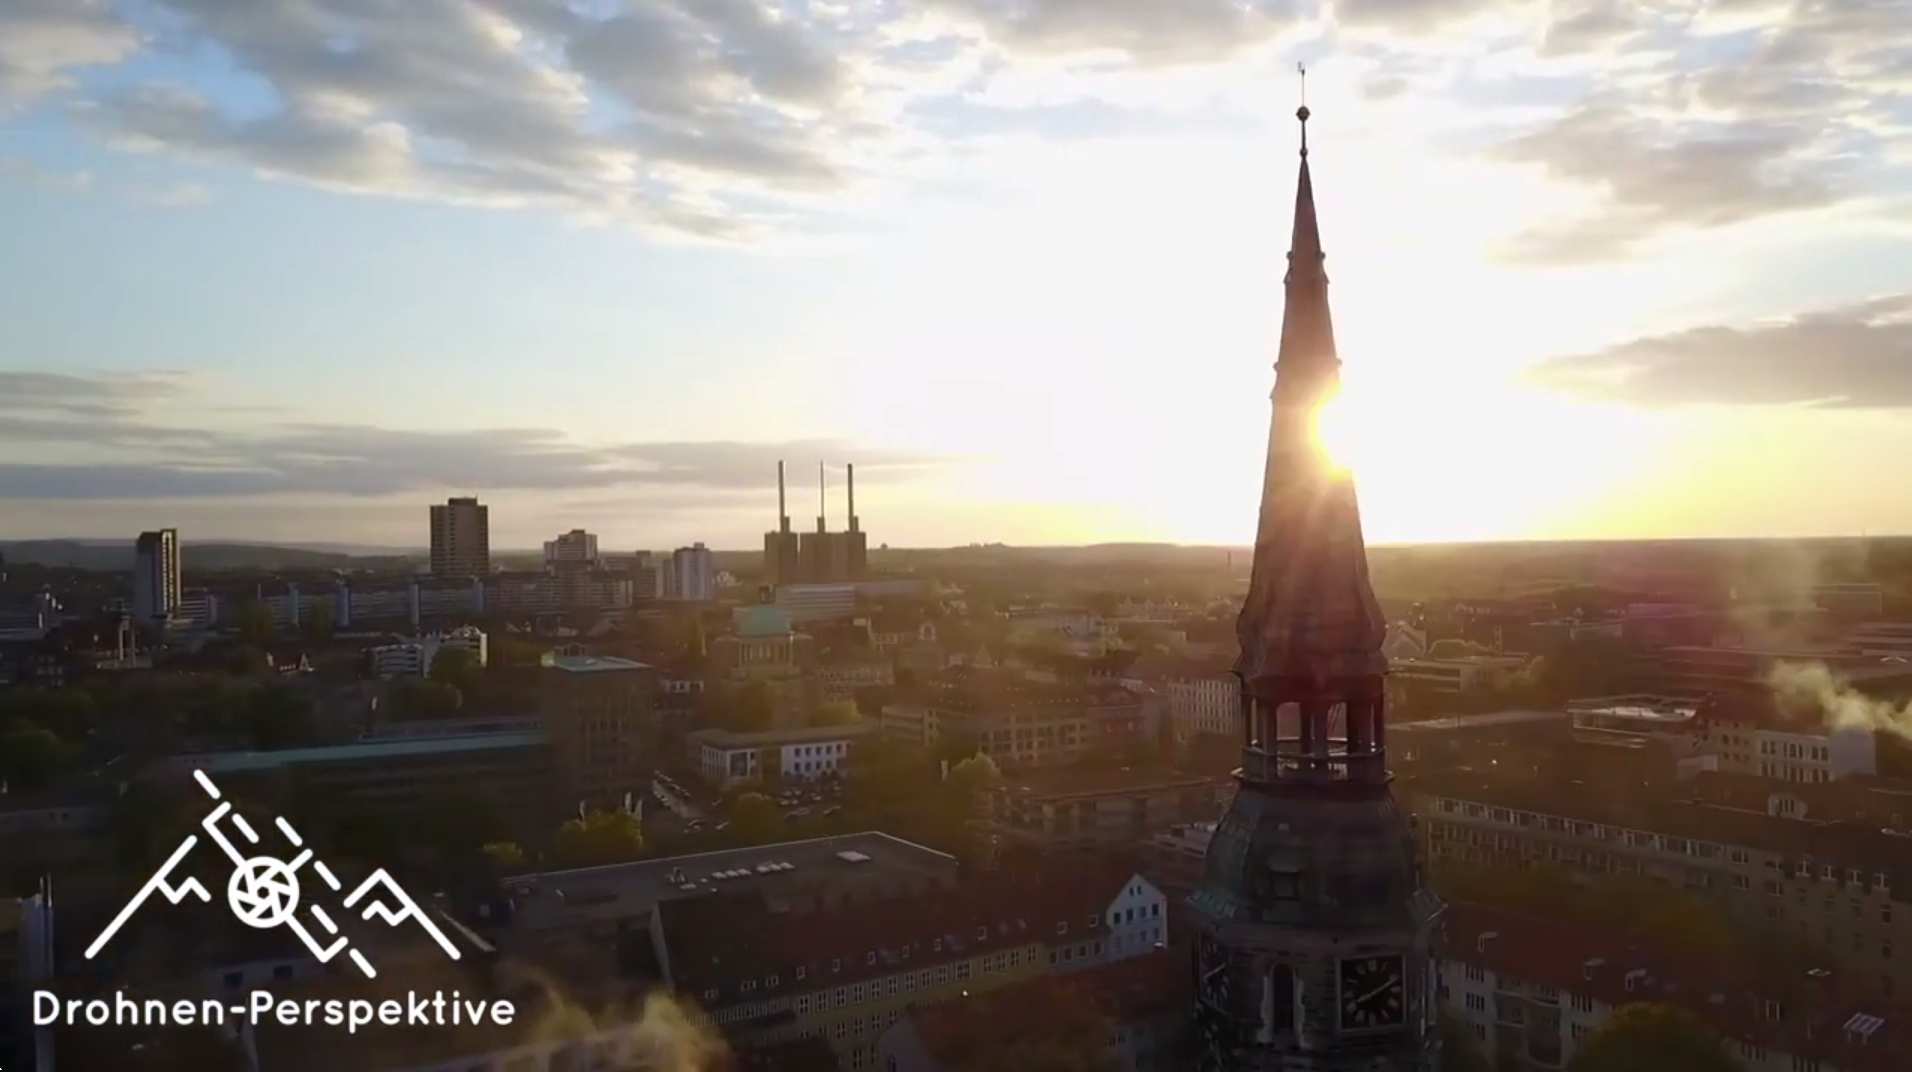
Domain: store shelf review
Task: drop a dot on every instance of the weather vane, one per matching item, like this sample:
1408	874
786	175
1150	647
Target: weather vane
1301	113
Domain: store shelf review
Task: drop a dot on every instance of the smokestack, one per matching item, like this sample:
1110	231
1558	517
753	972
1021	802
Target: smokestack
821	527
783	512
849	474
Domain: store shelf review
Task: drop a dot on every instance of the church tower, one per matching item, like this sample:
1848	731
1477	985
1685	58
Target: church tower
1314	919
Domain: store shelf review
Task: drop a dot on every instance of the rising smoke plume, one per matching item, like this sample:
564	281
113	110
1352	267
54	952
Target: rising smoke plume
1813	690
670	1036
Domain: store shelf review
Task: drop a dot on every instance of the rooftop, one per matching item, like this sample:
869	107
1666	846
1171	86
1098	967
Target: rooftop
591	664
1818	1016
719	943
1678	811
357	752
1099	781
722	738
553	898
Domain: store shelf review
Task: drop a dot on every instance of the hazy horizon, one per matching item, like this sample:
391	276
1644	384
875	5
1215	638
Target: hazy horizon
291	272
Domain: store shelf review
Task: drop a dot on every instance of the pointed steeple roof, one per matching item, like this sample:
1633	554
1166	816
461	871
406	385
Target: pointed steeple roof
1310	610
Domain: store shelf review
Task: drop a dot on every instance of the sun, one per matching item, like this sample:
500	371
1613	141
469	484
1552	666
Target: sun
1334	431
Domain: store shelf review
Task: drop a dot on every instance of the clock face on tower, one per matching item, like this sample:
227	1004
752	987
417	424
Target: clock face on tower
1373	993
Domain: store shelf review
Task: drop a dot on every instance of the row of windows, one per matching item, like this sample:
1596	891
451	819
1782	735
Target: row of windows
1639	839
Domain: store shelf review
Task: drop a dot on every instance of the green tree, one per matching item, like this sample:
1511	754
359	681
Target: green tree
29	755
415	698
278	716
253	622
973	777
601	837
835	713
1653	1037
506	857
317	621
745	708
754	819
458	668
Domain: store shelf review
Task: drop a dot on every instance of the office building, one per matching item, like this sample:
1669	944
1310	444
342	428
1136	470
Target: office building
156	575
396	778
461	538
1203	699
817	602
596	708
1067	808
1021	723
415	657
794	755
576	548
1315	926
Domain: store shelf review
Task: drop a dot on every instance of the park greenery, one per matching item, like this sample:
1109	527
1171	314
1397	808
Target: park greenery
1653	1037
599	837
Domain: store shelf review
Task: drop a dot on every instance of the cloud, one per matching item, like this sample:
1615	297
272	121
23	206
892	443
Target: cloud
43	41
1413	15
32	173
1147	32
176	195
678	115
1598	26
1658	174
30	389
1853	356
356	460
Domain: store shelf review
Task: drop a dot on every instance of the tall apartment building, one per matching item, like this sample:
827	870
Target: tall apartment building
461	537
692	577
571	549
156	575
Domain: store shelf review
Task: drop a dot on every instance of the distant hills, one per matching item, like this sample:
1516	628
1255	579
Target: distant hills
117	555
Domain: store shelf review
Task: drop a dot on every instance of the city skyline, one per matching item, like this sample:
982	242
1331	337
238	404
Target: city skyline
290	277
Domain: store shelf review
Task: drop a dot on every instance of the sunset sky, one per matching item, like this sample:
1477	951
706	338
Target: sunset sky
293	270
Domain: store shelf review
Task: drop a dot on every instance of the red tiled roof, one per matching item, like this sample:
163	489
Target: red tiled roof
716	943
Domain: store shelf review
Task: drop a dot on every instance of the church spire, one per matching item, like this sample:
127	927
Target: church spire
1310	611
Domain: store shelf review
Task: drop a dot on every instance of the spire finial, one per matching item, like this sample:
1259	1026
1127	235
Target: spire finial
1302	112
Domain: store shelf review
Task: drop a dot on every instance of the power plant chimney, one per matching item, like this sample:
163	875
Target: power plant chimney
783	512
821	527
849	472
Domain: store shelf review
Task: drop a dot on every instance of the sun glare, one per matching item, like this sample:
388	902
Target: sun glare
1334	431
